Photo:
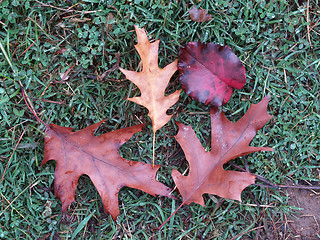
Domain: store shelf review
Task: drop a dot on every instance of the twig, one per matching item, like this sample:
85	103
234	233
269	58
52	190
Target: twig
49	101
269	184
28	48
64	76
245	163
289	186
45	89
30	107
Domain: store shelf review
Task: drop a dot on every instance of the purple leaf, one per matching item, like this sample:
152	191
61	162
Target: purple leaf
209	72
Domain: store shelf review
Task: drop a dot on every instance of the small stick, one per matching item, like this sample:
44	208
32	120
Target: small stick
245	163
30	108
289	186
49	101
26	49
64	76
45	89
262	179
272	185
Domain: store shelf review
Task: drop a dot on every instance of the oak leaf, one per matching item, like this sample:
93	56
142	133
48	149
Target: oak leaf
152	81
199	15
209	72
229	140
81	152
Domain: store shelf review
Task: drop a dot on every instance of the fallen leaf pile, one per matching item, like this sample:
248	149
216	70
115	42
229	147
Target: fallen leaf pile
208	73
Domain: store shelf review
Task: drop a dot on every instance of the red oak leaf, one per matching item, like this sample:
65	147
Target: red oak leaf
80	152
229	140
209	72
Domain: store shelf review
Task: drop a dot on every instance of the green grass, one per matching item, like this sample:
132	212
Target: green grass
281	58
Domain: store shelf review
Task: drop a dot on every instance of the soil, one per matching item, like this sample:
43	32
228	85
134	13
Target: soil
305	224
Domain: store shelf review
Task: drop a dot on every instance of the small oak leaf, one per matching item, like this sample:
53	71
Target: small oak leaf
152	81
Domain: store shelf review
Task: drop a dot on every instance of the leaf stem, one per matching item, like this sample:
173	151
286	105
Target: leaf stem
153	147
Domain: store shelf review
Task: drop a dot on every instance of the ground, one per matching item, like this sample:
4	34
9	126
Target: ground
305	225
66	55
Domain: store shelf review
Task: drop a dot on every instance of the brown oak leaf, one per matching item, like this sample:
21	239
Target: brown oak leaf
199	15
152	81
81	152
229	140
